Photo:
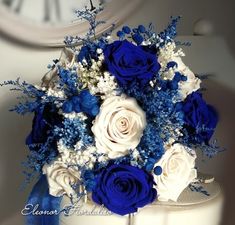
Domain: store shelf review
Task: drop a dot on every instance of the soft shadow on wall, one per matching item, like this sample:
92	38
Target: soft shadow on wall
220	13
223	99
13	130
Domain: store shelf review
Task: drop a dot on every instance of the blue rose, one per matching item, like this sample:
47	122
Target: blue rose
130	63
123	189
44	120
200	118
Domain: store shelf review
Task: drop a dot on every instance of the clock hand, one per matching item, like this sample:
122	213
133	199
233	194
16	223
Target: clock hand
92	6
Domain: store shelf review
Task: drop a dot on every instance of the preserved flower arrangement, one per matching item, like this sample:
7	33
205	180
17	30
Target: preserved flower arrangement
117	121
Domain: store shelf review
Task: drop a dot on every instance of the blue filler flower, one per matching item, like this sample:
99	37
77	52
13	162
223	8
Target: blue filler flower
126	30
123	189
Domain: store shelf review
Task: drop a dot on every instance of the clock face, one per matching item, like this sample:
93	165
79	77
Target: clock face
47	22
50	12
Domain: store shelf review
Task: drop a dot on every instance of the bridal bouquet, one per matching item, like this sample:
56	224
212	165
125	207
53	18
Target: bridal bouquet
118	119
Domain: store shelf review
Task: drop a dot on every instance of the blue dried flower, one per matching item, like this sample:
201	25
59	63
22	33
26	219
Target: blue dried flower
157	170
171	64
67	107
120	34
141	29
173	85
88	178
126	30
89	103
84	102
137	38
76	100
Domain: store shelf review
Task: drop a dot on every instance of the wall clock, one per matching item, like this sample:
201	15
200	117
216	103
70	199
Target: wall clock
47	22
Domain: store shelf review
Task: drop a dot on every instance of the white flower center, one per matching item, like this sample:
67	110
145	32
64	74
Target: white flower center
119	126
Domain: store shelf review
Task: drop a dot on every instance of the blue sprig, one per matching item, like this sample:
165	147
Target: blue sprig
88	178
73	131
39	155
68	81
30	96
163	121
170	32
198	188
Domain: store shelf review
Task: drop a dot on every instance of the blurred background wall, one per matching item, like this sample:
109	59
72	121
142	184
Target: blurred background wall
219	13
211	53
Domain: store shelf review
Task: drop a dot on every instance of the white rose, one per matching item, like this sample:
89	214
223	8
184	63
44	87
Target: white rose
178	171
60	178
119	126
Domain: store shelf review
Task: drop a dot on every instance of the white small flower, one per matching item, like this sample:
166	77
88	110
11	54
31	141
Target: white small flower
73	115
106	85
168	54
99	51
55	93
84	62
119	126
146	43
135	153
178	171
78	146
61	147
102	158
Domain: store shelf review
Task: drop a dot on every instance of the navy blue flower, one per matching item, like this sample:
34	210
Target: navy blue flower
67	107
141	29
200	118
130	63
123	189
89	51
126	30
84	54
120	34
84	102
44	120
138	39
